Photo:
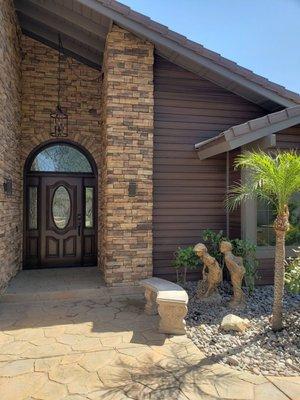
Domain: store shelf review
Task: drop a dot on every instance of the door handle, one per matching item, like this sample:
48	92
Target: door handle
79	230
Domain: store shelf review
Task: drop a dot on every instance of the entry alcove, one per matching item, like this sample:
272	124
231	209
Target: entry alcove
60	213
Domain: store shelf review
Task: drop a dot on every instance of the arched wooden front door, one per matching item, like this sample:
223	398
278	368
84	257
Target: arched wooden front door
60	208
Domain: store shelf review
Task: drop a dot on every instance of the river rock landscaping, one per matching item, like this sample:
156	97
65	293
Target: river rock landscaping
257	349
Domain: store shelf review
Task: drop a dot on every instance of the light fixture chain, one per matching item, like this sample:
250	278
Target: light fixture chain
59	69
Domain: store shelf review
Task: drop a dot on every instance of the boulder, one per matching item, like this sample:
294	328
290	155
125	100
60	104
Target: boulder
232	361
232	322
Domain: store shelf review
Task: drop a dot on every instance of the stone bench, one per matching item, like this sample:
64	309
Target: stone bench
169	300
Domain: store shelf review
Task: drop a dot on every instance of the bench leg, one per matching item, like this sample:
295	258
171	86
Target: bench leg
172	318
150	307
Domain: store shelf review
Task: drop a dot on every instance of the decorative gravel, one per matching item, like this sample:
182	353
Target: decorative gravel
258	349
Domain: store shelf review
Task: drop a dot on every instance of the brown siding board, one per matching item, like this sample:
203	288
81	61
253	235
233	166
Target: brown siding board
188	194
193	126
210	119
199	112
199	102
173	132
194	197
186	190
186	183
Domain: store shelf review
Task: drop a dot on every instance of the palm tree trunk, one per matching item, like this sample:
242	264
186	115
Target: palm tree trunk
281	225
278	281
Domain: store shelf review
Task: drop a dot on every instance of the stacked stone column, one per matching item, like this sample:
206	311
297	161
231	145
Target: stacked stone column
127	154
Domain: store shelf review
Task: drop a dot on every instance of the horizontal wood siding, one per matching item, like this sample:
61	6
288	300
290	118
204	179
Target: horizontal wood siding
188	193
289	138
235	216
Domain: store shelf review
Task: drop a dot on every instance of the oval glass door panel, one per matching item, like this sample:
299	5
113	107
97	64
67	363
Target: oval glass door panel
61	207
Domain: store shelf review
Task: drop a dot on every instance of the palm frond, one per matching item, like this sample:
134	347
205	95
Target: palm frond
240	193
274	178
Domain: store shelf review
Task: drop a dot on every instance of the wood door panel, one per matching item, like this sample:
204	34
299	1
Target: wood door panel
52	247
89	245
69	247
33	246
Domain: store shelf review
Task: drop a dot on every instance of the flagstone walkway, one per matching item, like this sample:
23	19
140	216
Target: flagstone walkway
76	350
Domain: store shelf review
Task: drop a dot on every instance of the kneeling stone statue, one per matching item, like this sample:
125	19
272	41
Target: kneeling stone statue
237	271
212	273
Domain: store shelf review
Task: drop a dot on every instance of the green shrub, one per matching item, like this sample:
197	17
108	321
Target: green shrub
212	242
247	250
292	274
185	258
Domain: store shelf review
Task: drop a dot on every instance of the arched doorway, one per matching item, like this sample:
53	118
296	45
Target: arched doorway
60	212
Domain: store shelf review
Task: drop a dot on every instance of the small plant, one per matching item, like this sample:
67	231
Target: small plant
292	274
246	250
185	258
212	241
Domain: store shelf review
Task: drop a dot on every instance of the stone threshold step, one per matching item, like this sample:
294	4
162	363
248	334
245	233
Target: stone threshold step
103	294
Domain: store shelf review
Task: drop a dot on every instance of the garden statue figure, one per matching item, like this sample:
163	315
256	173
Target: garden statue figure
237	271
212	273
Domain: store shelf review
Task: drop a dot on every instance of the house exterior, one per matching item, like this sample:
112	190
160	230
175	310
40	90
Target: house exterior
154	123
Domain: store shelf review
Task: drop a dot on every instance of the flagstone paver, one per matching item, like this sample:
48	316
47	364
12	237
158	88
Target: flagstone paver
80	350
290	386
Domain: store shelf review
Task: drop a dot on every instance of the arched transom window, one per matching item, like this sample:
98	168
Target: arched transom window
60	158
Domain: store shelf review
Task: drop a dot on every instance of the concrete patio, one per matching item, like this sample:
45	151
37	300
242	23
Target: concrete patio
109	349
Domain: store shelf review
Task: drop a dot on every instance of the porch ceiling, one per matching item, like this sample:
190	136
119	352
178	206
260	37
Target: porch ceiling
83	31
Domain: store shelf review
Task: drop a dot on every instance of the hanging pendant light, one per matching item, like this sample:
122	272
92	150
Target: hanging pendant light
58	118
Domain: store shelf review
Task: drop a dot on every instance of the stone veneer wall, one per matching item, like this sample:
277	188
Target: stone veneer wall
81	94
80	98
10	205
127	147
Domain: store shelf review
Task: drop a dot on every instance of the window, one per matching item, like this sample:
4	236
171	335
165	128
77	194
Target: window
61	207
89	207
32	214
61	158
265	218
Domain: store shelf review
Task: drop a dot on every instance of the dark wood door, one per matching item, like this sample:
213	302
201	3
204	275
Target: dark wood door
60	221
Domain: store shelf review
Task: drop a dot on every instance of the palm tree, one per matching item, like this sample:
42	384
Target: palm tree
274	178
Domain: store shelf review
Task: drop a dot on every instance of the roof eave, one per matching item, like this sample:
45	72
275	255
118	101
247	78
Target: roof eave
187	56
223	143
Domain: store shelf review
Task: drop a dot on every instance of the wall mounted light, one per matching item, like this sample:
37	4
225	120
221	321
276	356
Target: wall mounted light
7	186
132	189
